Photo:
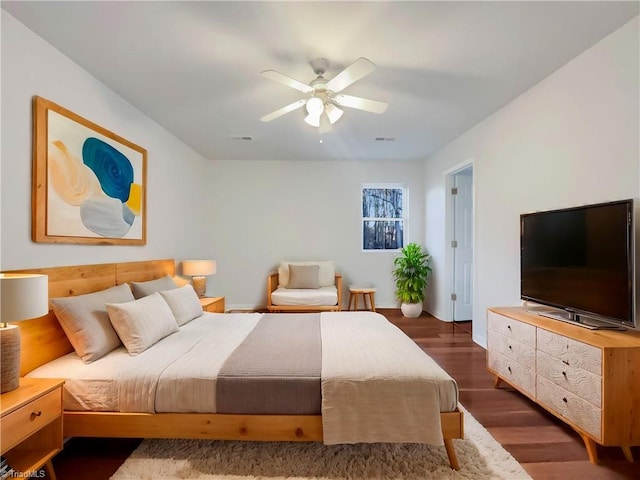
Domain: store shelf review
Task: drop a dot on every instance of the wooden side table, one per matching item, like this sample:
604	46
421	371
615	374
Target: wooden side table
212	304
365	291
31	426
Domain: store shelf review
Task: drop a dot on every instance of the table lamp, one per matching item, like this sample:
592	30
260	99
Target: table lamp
197	270
22	296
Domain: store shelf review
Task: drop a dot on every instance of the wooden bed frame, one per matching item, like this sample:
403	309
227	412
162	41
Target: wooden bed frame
44	340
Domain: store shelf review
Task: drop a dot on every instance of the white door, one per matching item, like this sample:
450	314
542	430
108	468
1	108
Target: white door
462	244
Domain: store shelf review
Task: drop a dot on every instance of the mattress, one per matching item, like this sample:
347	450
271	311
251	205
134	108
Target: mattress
375	384
323	296
121	382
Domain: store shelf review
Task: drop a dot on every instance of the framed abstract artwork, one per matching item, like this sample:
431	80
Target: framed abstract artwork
89	184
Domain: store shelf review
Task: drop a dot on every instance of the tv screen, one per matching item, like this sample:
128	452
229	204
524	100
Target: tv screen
580	260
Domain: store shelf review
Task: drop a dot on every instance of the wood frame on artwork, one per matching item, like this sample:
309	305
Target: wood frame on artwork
88	184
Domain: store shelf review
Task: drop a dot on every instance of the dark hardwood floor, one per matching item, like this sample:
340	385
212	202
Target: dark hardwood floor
545	447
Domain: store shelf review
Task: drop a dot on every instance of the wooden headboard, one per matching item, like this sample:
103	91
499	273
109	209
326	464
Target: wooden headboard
43	339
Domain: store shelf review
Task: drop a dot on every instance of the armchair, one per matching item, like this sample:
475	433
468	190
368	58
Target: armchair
304	287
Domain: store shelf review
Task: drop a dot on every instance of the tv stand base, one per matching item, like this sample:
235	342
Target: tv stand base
583	321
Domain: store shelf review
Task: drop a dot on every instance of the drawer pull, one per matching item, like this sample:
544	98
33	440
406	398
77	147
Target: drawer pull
35	415
564	374
509	327
564	399
510	347
509	368
565	362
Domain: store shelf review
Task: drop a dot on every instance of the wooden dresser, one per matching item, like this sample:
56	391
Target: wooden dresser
590	379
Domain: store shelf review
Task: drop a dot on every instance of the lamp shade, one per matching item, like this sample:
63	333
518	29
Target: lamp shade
23	296
197	268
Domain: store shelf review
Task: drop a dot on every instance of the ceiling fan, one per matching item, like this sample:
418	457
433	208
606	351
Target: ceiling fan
325	98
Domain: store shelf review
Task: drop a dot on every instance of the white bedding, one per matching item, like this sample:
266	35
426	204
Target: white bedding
150	382
382	388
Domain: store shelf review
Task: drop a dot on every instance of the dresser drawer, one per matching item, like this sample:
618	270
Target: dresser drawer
571	352
511	348
21	423
582	383
570	406
513	372
510	328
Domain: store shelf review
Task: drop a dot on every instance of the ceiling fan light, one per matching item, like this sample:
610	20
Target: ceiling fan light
313	120
324	124
315	106
333	112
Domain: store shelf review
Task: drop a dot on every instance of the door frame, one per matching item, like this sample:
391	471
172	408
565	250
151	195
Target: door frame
449	230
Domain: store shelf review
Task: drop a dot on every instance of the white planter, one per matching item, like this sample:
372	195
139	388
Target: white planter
411	310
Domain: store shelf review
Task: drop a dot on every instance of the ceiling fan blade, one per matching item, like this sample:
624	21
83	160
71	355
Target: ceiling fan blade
352	73
288	81
283	110
325	124
373	106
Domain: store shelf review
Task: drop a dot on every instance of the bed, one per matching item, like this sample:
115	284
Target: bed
45	342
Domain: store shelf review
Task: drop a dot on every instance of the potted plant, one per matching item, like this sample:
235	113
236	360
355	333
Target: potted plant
411	273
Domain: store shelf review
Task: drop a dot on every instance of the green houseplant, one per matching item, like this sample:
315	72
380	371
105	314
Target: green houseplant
411	273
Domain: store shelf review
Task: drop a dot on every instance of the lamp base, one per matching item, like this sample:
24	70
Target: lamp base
199	285
9	358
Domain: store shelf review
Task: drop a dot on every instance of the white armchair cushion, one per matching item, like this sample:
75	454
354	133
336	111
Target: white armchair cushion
323	296
326	273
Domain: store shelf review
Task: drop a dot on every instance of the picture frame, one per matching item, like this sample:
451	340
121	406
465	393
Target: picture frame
88	184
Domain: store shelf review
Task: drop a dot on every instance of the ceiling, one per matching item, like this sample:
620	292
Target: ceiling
194	67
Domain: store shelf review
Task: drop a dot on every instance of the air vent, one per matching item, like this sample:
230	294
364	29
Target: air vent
242	139
385	139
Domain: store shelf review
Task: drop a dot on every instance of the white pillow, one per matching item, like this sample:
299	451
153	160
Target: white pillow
184	303
143	322
142	289
326	273
85	321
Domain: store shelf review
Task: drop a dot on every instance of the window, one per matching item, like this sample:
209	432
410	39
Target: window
383	216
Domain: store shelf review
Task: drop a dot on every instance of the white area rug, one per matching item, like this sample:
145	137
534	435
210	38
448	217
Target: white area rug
480	457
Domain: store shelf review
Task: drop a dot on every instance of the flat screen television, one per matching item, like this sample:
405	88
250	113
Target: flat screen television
581	261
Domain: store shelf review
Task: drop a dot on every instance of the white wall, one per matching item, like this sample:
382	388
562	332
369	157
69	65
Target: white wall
263	212
31	66
572	139
246	215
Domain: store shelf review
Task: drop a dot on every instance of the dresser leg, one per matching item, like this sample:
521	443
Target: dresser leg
497	382
627	452
591	449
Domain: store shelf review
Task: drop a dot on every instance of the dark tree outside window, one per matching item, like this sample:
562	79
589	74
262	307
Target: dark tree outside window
383	218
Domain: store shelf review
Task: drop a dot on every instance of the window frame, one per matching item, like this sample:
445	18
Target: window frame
404	219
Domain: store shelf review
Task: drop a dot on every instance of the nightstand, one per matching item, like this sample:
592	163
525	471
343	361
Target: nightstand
212	304
31	427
